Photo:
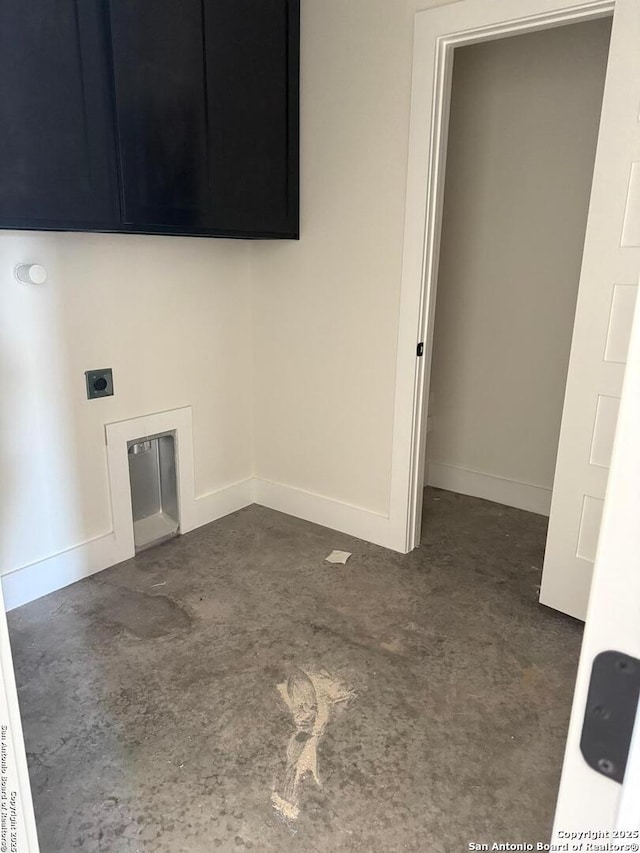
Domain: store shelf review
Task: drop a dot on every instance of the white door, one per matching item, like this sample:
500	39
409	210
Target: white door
17	823
589	799
606	296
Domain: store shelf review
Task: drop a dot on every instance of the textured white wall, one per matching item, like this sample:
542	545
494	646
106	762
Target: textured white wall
326	310
170	315
523	131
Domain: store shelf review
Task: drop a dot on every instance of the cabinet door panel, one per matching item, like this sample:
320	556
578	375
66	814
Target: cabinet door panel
159	68
57	154
252	76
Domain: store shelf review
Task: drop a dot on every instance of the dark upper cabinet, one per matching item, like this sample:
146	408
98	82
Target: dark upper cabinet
252	92
160	88
57	147
153	116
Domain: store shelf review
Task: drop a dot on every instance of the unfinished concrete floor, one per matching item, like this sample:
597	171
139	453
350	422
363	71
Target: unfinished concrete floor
153	721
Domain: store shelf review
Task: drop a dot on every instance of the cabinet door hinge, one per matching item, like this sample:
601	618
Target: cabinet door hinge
420	351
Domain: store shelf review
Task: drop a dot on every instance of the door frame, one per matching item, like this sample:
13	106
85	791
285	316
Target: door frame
438	31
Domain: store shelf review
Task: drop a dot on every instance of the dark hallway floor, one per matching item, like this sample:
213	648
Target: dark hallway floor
435	688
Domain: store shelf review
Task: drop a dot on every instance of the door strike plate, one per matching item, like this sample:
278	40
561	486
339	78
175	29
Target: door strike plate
610	713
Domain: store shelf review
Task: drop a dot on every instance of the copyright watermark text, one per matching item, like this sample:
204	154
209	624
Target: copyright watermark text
586	841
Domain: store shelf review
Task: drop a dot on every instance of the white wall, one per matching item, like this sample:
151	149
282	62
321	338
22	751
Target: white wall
523	131
326	310
325	314
170	315
173	318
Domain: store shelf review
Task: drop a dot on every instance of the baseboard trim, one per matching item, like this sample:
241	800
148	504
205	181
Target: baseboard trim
214	505
497	489
34	580
345	518
59	570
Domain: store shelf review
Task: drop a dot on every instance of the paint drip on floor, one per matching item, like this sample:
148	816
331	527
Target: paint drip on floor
311	698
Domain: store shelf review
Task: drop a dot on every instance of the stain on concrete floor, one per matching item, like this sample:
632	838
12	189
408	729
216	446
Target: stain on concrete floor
312	698
153	724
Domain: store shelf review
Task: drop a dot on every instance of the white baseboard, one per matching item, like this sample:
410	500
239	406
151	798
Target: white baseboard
32	581
498	489
215	505
51	573
355	521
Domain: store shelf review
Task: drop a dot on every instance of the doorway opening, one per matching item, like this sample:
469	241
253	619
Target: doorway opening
523	129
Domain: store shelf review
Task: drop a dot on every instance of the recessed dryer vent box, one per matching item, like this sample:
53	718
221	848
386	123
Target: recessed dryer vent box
154	494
